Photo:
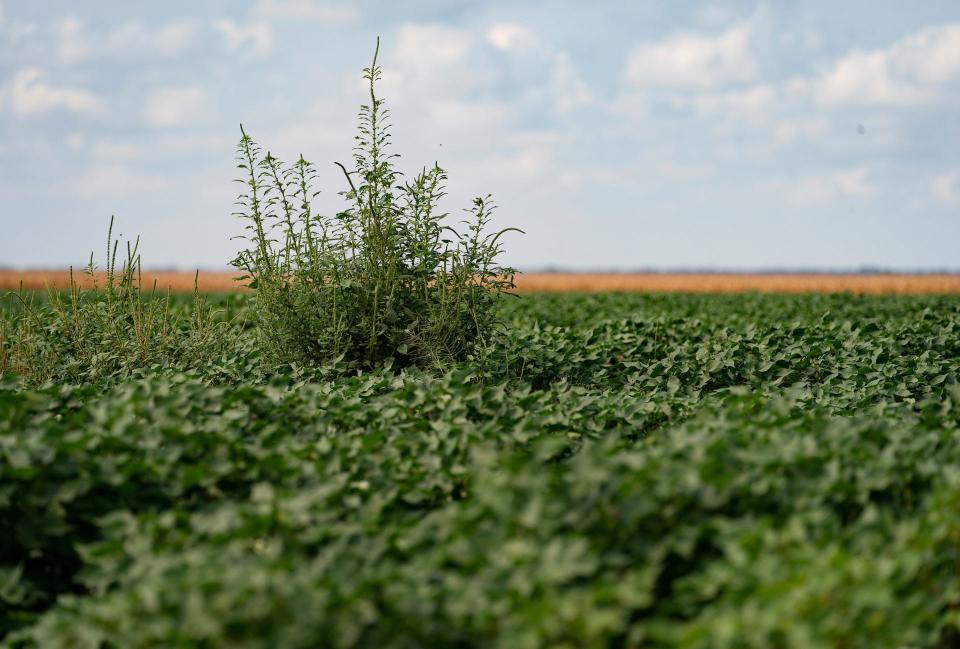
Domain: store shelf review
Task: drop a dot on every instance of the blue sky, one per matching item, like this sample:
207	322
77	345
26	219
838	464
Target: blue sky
619	135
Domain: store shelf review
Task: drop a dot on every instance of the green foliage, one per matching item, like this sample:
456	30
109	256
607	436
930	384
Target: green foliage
106	332
656	471
383	279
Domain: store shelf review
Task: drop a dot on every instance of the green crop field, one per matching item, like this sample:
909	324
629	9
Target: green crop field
620	470
378	446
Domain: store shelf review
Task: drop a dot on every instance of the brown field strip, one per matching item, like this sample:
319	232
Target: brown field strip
739	283
585	282
176	281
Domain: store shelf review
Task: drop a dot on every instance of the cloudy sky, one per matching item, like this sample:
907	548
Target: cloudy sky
620	135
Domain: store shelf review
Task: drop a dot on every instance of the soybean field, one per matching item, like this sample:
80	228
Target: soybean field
618	470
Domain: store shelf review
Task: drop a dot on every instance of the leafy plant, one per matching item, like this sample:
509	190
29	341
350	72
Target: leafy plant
385	278
111	329
726	471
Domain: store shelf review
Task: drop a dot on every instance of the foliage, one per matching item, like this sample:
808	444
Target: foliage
106	332
383	279
655	471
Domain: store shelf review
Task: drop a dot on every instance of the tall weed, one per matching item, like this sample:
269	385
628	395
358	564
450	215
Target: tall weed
111	329
386	279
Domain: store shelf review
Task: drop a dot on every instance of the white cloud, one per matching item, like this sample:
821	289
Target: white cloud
912	71
176	106
71	44
825	187
789	131
115	180
629	109
323	129
570	91
169	39
946	187
689	60
76	141
324	12
28	93
256	39
102	149
749	102
864	78
114	150
131	39
457	116
432	45
930	56
690	72
513	37
521	159
431	60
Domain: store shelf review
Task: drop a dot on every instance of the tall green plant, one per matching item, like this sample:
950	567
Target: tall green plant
385	278
108	330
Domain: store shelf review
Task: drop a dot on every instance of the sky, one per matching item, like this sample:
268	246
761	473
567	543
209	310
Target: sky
618	135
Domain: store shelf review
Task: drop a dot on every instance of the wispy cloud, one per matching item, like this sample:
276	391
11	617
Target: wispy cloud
911	72
826	187
176	106
566	88
113	180
75	44
569	90
109	149
748	102
253	40
696	60
311	10
430	59
113	149
29	93
513	37
945	187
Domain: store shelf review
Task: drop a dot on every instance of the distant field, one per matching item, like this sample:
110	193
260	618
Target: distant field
736	283
176	281
587	282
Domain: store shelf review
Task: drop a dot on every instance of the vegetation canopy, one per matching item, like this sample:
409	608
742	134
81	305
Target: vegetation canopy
663	471
112	330
386	278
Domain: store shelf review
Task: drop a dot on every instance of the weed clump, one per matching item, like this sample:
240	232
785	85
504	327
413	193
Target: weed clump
113	329
383	280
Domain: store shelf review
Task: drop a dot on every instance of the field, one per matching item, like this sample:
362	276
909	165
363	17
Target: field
580	282
628	470
365	435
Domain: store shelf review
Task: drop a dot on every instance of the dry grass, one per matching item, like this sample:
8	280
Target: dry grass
591	282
